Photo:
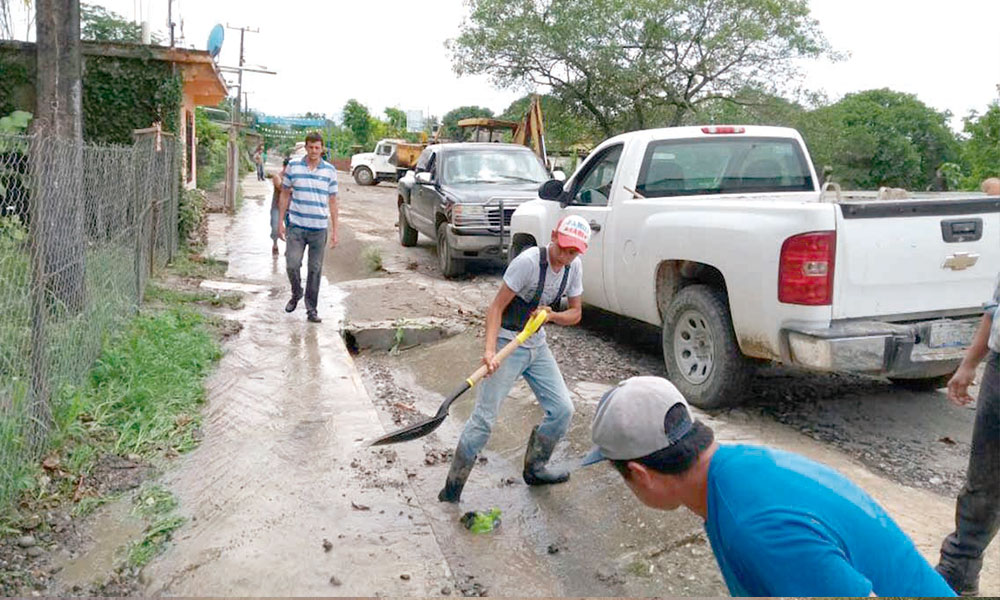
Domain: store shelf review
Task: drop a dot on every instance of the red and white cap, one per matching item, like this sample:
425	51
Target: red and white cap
573	231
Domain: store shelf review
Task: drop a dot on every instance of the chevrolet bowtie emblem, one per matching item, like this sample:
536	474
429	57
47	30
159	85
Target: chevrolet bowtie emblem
960	260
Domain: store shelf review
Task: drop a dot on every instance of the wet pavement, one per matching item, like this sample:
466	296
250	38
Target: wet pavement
282	468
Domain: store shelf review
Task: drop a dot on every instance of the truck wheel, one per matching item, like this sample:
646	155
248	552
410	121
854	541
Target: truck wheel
363	175
700	351
450	266
925	384
407	234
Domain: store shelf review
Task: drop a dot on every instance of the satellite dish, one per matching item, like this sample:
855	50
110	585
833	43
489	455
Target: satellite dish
215	38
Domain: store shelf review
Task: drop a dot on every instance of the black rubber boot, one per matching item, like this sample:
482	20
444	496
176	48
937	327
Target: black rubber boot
539	452
461	466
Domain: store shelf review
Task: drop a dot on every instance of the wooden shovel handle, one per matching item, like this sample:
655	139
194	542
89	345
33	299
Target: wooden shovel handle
529	330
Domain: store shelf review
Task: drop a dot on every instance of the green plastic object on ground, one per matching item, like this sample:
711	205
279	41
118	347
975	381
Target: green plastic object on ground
481	522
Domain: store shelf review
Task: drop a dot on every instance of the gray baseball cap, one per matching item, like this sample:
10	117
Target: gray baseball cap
631	420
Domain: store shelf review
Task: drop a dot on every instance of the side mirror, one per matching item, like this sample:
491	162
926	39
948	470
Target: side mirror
558	175
551	190
423	177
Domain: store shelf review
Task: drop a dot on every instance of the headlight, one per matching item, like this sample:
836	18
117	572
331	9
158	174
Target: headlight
469	215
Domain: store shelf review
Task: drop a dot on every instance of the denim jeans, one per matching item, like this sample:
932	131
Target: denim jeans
296	241
977	512
274	223
260	171
540	370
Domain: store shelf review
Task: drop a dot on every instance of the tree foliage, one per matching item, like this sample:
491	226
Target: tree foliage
359	121
565	126
637	63
396	118
450	121
981	150
98	24
880	138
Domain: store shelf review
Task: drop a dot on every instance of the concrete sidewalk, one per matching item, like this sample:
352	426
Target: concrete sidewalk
277	475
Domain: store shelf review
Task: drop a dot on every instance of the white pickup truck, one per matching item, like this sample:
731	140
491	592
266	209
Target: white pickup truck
721	236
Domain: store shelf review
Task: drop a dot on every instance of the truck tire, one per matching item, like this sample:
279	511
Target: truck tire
364	176
407	234
700	352
450	265
924	384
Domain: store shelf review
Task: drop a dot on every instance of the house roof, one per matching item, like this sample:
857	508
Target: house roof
202	80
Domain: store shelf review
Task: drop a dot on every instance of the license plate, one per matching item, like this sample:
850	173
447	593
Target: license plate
951	334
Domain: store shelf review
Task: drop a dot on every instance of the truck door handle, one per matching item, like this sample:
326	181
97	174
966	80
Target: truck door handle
594	225
961	230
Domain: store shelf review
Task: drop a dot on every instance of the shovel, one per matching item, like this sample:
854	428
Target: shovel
422	428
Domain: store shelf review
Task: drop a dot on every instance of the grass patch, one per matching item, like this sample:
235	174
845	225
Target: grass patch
166	295
639	568
154	539
196	266
372	256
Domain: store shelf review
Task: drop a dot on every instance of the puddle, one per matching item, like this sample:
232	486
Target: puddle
113	527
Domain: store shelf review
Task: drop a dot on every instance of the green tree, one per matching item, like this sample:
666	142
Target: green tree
637	63
450	121
880	137
396	118
981	150
359	121
99	24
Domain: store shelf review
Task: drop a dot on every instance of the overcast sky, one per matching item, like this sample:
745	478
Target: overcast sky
391	52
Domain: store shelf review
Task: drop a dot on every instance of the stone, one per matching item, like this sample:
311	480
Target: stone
35	552
26	541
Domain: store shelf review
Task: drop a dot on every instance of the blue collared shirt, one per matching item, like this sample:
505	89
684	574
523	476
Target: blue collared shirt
309	207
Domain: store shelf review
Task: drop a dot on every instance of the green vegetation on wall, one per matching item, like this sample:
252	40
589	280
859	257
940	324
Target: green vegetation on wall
123	94
17	83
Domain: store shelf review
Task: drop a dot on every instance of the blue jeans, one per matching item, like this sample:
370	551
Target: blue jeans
297	240
540	370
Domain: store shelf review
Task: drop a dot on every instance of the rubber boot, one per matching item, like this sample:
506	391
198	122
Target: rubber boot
539	452
461	466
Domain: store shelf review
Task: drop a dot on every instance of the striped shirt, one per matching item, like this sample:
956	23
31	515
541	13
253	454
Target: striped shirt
309	207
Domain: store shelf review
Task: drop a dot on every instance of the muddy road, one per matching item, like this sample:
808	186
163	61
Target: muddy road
909	449
282	498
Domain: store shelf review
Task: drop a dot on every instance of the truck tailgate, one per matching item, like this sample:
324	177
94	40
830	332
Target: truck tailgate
906	257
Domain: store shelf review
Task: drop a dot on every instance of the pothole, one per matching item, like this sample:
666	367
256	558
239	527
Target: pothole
398	335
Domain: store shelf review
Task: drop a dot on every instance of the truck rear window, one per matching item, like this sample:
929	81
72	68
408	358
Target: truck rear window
723	166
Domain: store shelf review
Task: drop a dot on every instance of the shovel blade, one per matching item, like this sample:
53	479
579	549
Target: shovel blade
410	432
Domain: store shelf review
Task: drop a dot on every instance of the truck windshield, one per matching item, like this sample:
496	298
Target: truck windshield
492	166
723	166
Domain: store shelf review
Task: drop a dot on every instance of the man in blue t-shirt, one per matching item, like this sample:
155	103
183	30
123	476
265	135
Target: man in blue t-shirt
779	524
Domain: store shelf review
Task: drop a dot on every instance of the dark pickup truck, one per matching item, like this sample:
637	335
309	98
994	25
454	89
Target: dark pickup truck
463	196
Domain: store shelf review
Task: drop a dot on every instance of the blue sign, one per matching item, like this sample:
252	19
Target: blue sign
290	121
215	38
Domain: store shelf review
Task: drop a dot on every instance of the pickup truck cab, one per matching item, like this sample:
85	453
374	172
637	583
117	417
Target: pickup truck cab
721	236
463	195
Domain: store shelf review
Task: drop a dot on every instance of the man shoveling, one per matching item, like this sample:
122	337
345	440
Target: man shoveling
534	280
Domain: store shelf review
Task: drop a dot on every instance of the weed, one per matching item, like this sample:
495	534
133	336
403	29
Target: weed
154	502
372	256
89	504
639	568
397	340
154	539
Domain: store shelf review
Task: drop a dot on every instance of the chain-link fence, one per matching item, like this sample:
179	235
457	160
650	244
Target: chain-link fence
81	228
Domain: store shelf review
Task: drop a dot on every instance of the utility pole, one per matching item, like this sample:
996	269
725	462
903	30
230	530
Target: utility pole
233	162
170	20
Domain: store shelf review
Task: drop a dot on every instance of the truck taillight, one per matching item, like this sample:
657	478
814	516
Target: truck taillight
805	270
723	129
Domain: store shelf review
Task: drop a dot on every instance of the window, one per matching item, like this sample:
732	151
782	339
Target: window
594	188
493	165
384	149
723	166
424	159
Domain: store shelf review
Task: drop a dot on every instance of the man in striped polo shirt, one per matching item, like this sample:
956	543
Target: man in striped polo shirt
309	198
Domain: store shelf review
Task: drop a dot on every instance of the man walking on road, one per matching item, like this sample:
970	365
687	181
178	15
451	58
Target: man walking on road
977	513
535	279
309	198
779	524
